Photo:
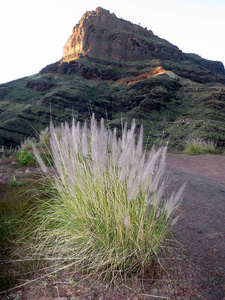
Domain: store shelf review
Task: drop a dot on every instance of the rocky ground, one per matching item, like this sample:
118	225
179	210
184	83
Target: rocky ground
194	269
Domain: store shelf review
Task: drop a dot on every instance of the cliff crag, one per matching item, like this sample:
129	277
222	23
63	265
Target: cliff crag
101	34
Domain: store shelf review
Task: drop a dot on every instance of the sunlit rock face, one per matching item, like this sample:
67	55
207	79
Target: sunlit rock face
100	33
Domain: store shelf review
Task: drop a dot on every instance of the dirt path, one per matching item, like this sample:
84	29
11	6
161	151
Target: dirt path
201	228
209	166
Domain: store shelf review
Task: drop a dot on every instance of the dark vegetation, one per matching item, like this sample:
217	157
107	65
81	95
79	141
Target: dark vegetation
15	200
28	105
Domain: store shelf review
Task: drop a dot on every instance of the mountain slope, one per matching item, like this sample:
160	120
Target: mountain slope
115	68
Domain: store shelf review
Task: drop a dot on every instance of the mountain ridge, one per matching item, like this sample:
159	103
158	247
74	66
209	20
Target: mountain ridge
97	31
113	67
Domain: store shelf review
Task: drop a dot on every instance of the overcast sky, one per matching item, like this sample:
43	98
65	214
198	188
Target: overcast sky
33	32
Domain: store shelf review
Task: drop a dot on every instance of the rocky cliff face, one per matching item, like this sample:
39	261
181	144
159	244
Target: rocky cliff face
100	33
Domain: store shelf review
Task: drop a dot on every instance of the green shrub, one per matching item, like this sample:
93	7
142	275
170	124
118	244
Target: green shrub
198	146
106	214
14	181
26	158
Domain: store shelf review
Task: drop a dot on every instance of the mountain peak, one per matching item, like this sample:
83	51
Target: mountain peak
100	33
100	9
116	67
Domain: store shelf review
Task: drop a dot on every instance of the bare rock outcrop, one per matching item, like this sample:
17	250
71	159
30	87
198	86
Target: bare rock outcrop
100	38
100	33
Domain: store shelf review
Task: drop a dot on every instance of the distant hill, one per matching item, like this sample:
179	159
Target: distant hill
119	70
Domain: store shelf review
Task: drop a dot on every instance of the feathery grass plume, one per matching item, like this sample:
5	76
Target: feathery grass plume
106	214
84	144
198	146
39	159
44	137
27	144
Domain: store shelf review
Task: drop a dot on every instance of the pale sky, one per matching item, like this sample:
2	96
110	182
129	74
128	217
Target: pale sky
33	32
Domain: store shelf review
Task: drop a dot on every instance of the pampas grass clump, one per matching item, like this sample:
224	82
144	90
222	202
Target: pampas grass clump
198	146
106	214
